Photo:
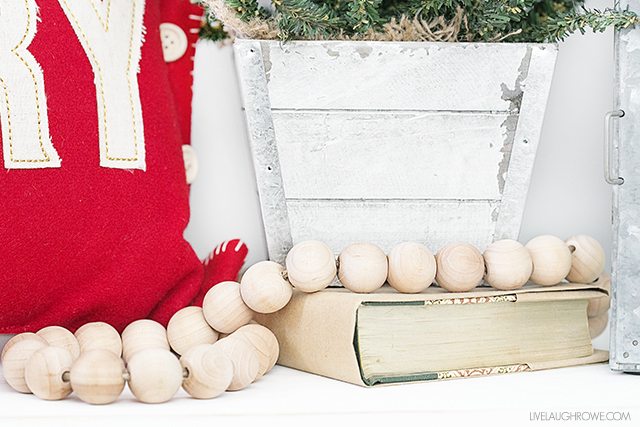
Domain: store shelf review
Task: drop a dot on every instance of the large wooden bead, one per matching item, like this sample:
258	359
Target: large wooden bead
311	266
598	324
57	336
460	267
20	337
551	260
188	328
264	288
264	342
99	336
246	363
412	267
362	267
587	259
598	306
97	376
15	361
44	373
209	371
508	265
224	309
155	375
142	335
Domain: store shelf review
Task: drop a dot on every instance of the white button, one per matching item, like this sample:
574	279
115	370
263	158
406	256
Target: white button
174	41
190	163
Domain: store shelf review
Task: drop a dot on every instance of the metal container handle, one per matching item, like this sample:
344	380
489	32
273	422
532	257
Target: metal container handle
608	147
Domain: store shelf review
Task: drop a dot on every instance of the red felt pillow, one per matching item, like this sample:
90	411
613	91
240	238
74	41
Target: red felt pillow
92	182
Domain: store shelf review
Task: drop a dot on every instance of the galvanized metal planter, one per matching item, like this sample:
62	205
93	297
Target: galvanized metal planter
387	142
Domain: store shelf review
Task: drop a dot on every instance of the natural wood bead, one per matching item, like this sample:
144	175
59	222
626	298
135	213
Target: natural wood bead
551	260
57	336
311	266
99	336
587	259
97	376
598	306
142	335
20	337
246	363
598	324
265	344
362	267
224	309
264	289
209	371
188	328
412	267
44	373
15	360
508	265
155	375
460	267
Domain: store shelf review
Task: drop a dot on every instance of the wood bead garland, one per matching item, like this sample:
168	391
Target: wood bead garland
264	342
246	363
155	375
362	267
587	259
57	336
264	288
99	336
142	335
412	267
20	337
551	259
508	265
15	360
598	324
97	376
224	309
598	306
311	266
45	370
460	267
209	371
188	328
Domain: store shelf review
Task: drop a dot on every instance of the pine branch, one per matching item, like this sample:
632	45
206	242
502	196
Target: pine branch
304	19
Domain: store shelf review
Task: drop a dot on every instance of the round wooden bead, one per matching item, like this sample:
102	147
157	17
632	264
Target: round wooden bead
362	267
551	259
264	288
155	375
508	265
44	373
587	259
598	324
246	363
142	335
311	266
57	336
20	337
188	328
224	309
598	306
264	342
97	376
460	267
209	371
99	336
15	361
412	267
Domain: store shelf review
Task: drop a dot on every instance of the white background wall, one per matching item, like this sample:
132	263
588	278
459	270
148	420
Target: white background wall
567	196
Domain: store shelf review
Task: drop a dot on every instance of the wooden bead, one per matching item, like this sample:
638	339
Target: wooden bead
311	266
57	336
155	375
587	259
598	324
224	309
97	376
362	267
209	371
246	363
264	342
460	267
508	265
44	373
99	336
551	259
412	267
142	335
188	328
20	337
15	361
264	288
598	306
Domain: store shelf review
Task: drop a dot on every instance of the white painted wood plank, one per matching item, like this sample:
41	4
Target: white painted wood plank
383	75
434	223
392	155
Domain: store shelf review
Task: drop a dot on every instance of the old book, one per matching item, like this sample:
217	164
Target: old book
387	337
